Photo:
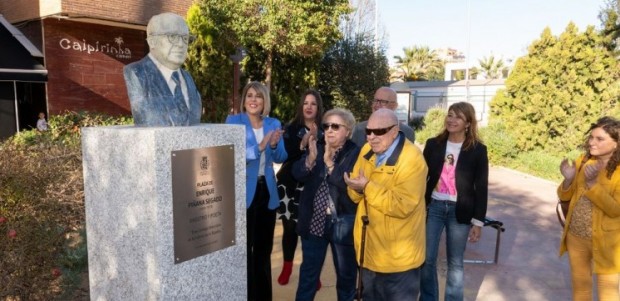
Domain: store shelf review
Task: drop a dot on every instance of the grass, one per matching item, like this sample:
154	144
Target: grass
537	163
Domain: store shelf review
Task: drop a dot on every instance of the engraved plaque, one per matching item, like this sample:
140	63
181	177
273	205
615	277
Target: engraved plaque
203	196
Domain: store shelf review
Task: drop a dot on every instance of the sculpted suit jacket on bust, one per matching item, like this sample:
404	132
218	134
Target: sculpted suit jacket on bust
152	102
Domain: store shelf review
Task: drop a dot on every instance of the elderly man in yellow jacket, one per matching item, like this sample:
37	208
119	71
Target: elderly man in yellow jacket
388	182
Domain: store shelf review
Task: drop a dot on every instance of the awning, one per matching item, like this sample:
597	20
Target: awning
20	60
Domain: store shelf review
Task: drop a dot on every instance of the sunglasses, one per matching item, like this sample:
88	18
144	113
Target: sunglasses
334	126
379	132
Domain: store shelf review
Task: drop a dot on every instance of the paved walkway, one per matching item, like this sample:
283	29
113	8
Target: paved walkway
529	267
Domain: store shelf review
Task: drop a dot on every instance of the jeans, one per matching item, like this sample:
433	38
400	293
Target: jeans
442	214
314	249
401	286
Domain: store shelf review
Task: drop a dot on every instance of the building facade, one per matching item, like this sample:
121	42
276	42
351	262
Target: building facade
419	97
85	45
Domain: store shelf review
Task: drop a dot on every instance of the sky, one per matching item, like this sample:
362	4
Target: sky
501	28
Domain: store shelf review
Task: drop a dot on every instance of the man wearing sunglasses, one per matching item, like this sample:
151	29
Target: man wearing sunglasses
388	182
160	92
385	98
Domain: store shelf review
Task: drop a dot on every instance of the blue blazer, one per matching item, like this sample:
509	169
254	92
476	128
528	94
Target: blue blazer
152	102
252	158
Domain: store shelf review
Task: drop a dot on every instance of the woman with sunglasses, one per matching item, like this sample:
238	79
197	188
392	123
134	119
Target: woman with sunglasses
306	124
263	147
592	230
456	198
326	213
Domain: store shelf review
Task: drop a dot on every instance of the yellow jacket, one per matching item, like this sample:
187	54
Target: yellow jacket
605	197
394	197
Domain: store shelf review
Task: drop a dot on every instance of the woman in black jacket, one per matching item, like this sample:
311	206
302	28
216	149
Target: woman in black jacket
326	213
456	197
306	123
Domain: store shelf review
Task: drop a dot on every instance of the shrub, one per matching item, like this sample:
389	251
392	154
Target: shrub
501	145
558	89
539	163
42	202
433	124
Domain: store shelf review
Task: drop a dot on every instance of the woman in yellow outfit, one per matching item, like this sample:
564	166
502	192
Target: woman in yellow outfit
592	231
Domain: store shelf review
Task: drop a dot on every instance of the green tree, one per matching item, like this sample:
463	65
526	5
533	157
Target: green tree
208	57
491	67
610	20
291	77
437	74
283	40
419	63
558	89
350	73
302	28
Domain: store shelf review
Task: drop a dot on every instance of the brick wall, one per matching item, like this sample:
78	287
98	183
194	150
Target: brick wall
22	10
137	12
85	65
128	11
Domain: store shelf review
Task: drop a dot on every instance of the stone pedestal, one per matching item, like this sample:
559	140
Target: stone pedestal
129	216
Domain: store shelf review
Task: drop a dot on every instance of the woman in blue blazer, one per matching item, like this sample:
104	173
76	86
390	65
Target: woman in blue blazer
263	147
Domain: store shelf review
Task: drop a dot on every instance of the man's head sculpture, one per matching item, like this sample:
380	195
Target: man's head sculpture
160	92
168	38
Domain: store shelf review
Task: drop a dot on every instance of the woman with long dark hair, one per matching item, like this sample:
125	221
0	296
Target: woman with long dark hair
456	198
297	133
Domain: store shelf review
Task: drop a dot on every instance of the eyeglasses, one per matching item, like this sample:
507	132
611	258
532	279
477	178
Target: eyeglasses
175	38
379	132
334	126
382	102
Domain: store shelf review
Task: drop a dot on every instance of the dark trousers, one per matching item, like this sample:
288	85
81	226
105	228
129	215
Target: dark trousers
314	250
261	222
289	239
401	286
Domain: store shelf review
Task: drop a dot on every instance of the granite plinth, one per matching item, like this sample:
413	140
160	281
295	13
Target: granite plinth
129	216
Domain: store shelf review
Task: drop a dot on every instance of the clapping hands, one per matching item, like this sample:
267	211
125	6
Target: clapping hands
591	172
272	138
568	170
306	138
358	184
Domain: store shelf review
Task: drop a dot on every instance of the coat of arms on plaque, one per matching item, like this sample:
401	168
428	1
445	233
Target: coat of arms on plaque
204	163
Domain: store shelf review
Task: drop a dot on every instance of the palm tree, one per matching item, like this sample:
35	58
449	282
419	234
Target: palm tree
419	63
491	67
